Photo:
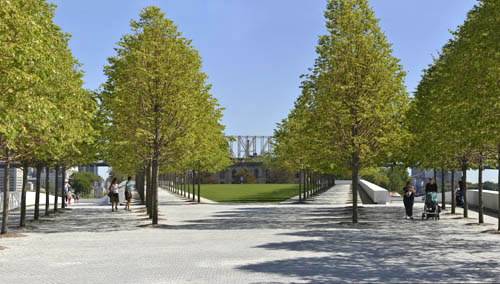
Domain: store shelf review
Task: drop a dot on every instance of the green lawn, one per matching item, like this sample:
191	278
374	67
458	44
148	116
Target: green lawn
245	193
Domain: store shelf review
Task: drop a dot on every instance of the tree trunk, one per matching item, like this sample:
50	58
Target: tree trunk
6	185
314	184
184	183
199	185
443	190
47	190
139	180
63	195
480	189
194	187
453	196
307	185
498	209
37	193
300	185
22	220
143	185
464	181
435	176
56	186
154	185
149	191
355	169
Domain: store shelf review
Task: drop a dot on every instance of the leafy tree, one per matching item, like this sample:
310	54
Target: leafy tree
208	178
398	176
376	176
82	182
358	97
155	95
39	82
457	101
279	176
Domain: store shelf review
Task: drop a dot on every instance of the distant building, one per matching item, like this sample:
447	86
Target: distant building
261	173
226	176
15	178
90	169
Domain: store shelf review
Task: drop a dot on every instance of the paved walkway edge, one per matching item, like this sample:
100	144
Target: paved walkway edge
189	197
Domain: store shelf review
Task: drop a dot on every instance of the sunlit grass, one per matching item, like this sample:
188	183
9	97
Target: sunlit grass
249	193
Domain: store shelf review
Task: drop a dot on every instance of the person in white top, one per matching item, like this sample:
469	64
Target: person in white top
67	186
113	195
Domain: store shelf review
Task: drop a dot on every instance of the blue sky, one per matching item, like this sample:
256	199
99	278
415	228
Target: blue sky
255	50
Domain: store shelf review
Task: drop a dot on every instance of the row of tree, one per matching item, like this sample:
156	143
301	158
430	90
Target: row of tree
455	115
354	111
351	111
46	118
157	109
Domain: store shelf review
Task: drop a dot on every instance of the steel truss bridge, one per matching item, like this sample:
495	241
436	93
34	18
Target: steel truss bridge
240	147
249	146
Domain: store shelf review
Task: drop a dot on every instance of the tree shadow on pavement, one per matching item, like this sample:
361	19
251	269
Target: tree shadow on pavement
279	217
382	248
397	251
289	217
79	219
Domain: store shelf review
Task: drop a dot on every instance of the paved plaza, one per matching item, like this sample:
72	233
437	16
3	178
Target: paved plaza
251	243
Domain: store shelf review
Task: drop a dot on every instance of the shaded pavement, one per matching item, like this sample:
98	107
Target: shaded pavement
251	243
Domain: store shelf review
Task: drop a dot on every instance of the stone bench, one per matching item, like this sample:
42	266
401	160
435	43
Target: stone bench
376	193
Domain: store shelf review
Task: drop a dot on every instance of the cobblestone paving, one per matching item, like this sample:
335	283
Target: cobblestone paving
250	243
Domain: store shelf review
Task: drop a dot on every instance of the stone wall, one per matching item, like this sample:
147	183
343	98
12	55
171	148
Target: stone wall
255	168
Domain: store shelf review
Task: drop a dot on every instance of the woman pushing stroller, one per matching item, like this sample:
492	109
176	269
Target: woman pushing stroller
431	207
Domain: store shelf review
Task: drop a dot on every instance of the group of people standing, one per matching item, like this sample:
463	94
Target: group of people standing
114	196
68	193
409	195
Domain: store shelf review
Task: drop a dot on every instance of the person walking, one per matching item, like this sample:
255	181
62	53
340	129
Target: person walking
67	186
431	186
77	197
113	197
128	193
461	193
431	199
408	199
69	197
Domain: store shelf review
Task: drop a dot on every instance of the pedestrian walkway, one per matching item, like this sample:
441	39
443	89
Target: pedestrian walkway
251	243
340	194
170	196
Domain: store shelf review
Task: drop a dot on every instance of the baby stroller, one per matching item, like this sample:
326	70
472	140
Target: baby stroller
431	207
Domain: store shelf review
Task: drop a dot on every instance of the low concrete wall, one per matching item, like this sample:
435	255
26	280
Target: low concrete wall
490	198
15	199
376	193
